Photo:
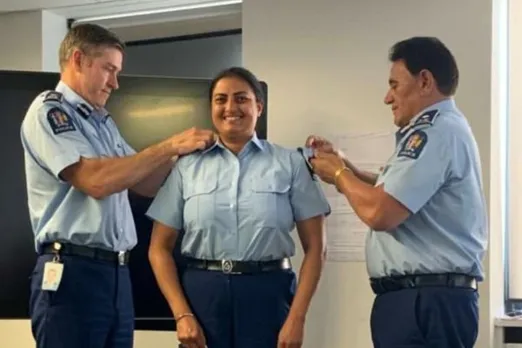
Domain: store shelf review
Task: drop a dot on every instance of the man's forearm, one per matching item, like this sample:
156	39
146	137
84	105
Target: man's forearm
150	185
102	177
362	196
367	177
309	277
166	274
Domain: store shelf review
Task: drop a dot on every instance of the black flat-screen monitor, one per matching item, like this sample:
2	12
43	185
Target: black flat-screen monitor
146	110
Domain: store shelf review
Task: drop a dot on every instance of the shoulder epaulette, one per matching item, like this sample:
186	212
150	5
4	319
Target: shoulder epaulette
53	96
307	154
427	118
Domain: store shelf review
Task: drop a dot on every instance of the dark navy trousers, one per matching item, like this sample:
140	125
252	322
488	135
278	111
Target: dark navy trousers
240	310
92	308
434	317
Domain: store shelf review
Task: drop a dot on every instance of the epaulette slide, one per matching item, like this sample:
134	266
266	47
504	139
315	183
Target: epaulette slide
427	118
53	96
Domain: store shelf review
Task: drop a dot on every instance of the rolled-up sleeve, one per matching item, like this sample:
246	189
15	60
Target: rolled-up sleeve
168	205
306	196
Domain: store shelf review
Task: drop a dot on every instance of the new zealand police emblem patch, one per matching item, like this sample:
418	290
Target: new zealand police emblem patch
59	121
413	145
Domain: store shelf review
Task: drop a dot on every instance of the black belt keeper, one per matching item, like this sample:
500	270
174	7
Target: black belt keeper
239	267
387	284
58	248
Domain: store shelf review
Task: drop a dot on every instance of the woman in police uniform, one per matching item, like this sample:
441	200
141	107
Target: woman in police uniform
238	203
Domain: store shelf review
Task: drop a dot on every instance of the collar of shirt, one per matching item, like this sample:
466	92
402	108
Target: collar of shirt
254	140
446	104
85	109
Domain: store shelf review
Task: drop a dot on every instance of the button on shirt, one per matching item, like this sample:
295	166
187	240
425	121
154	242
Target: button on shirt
435	172
58	129
239	207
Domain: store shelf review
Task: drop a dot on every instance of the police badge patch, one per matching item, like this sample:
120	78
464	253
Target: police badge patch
413	145
59	121
53	96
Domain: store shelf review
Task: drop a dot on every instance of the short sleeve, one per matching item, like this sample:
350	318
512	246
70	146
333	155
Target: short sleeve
54	137
419	168
168	205
306	196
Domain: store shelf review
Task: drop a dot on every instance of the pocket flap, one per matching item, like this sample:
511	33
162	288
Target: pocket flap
199	187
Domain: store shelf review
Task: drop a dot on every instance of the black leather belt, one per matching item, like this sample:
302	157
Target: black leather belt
239	267
121	258
386	284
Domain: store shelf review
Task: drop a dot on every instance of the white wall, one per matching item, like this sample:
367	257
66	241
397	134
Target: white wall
514	224
326	66
20	33
54	29
30	40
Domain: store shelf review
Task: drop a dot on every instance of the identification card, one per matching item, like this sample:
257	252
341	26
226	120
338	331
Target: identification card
52	276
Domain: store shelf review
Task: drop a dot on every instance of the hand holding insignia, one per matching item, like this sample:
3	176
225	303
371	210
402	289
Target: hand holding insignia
326	165
191	140
319	143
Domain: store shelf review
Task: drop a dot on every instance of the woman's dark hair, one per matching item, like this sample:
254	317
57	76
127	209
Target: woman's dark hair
242	74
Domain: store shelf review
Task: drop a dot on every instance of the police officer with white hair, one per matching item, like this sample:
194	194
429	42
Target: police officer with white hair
425	209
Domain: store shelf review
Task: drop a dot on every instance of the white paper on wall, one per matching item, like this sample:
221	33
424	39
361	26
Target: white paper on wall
346	233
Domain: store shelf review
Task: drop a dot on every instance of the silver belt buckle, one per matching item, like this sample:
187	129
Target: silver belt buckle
121	258
226	266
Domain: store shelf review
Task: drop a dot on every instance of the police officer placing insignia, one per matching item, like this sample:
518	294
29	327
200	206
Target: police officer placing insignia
238	203
78	172
426	211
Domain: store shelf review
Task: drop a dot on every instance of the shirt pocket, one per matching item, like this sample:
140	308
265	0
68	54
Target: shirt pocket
200	203
271	203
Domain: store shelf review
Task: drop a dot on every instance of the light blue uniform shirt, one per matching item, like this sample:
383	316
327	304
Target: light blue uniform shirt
435	172
239	207
58	129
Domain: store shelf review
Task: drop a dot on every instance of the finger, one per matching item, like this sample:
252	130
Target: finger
201	145
316	162
185	342
208	139
204	133
189	132
310	141
201	342
323	154
192	344
213	139
183	150
281	343
319	154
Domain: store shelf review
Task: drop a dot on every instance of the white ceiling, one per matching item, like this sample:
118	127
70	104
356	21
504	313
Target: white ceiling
150	18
